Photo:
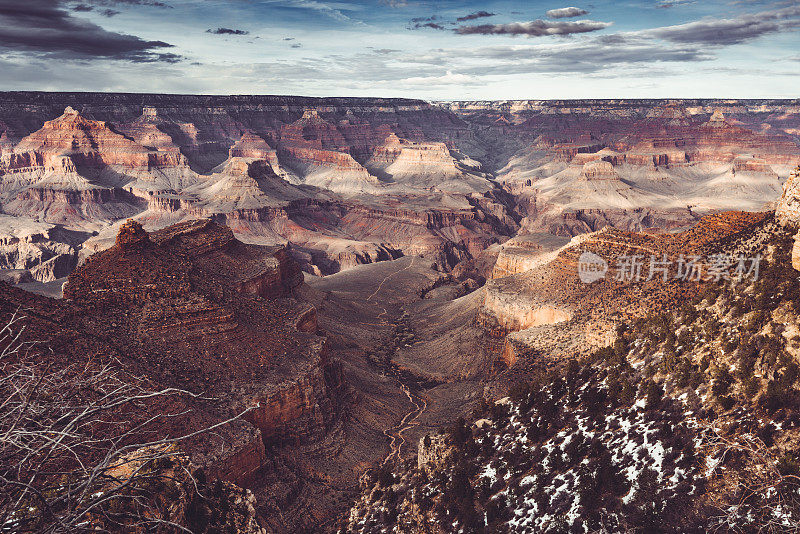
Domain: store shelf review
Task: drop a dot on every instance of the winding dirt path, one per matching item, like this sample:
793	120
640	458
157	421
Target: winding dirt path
385	278
395	434
409	420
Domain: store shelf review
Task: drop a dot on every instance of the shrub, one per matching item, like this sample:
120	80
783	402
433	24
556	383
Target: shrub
722	381
653	394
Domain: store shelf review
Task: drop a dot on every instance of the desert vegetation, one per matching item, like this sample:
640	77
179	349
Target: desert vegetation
82	450
686	423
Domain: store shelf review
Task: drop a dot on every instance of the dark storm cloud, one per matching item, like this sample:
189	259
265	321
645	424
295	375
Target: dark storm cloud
566	12
534	28
46	28
476	15
109	12
228	31
82	8
724	32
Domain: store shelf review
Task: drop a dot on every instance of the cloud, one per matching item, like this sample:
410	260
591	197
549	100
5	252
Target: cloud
534	28
116	3
395	3
665	4
724	32
85	8
475	15
566	12
228	31
45	28
599	54
425	22
313	5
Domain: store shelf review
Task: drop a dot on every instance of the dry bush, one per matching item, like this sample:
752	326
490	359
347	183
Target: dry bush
76	452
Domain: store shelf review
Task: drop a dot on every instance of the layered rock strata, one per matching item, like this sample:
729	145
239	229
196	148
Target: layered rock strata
215	315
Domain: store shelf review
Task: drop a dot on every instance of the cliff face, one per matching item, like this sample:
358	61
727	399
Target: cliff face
211	313
40	251
190	307
346	181
547	308
87	142
788	210
250	162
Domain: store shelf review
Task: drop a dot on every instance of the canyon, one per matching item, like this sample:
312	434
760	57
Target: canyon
357	273
347	181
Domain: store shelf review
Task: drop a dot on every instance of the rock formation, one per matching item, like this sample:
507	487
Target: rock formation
788	210
87	175
217	315
349	181
549	304
40	251
599	170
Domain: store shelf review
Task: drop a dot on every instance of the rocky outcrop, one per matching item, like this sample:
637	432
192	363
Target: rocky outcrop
549	309
569	151
402	156
253	146
164	153
503	313
40	251
788	210
599	170
332	170
526	252
87	142
433	451
753	165
217	315
654	157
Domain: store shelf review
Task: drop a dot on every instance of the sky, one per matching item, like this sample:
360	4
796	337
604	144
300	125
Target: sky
433	50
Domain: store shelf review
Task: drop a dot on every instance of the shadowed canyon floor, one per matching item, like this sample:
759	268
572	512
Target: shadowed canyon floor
374	307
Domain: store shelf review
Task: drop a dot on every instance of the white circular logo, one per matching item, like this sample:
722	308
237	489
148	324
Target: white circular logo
591	267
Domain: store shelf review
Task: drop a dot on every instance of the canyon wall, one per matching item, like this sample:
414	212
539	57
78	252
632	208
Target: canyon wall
346	181
215	315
